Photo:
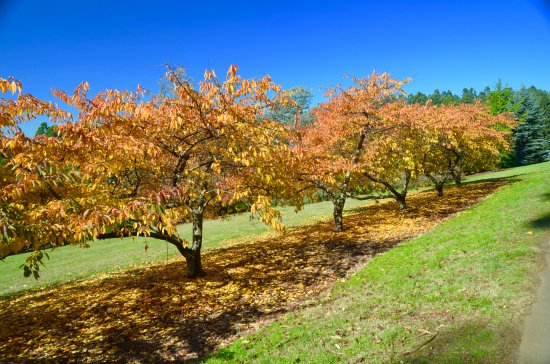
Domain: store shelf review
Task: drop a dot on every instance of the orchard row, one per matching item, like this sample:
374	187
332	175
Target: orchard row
130	164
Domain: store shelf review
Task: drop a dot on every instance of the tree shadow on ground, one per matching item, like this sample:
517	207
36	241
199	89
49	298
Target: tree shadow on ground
546	196
156	314
508	179
542	222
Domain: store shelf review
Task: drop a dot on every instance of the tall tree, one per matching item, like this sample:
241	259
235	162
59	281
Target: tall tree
44	129
469	95
417	98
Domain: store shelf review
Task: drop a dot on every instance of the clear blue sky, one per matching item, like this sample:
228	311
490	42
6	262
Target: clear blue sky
117	44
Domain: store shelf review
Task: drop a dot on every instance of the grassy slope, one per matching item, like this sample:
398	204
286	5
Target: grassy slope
72	262
467	282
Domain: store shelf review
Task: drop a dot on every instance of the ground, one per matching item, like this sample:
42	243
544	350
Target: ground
455	294
158	314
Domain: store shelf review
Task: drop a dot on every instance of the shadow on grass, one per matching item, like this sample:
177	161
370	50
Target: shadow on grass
155	314
542	222
546	196
507	179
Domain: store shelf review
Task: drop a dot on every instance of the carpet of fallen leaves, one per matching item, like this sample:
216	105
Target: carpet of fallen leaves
155	314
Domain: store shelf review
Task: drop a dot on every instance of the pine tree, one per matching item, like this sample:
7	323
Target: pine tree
531	146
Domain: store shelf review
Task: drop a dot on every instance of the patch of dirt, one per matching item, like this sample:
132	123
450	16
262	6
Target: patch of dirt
155	314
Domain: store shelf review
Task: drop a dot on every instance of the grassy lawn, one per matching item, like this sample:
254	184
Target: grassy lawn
456	294
73	262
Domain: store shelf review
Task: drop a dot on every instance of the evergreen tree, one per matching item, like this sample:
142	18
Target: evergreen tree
436	97
44	129
531	146
417	98
287	114
448	98
484	95
469	95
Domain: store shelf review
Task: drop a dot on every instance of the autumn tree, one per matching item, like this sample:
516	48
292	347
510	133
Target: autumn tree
463	138
131	166
328	152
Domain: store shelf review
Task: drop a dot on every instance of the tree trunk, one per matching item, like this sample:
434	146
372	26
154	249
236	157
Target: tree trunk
194	264
456	171
401	200
437	183
439	188
338	211
457	176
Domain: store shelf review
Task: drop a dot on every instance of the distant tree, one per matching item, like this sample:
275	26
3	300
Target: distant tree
463	138
417	98
436	97
543	99
501	99
448	98
469	95
296	111
483	95
531	145
44	129
329	153
392	162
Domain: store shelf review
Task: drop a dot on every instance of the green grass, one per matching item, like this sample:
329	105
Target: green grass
73	262
466	284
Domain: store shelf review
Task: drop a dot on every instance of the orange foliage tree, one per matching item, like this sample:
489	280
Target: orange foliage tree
131	166
328	153
463	138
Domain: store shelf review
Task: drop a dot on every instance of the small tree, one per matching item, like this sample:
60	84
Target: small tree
463	138
328	152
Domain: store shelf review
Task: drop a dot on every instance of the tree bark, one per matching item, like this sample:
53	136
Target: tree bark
437	183
192	255
401	200
194	263
338	212
456	170
457	176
